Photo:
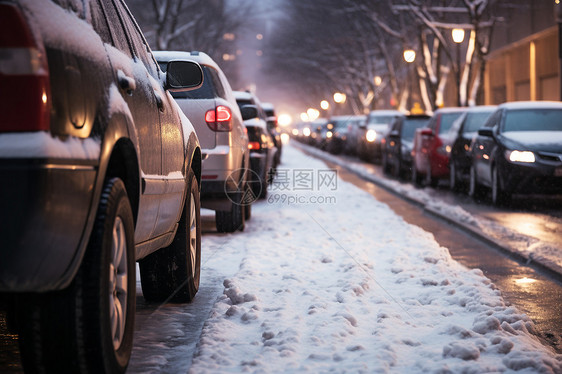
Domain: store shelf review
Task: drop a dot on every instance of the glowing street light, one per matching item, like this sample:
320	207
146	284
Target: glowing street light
339	97
284	120
312	114
458	37
409	55
324	105
304	117
378	80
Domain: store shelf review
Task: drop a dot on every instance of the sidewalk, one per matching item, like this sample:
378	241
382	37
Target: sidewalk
545	256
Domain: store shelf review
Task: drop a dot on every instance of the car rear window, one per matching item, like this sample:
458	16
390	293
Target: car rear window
533	120
410	125
474	121
447	120
381	119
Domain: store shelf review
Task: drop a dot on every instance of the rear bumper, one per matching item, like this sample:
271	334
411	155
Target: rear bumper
44	207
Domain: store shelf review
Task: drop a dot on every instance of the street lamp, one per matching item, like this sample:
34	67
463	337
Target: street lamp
409	57
458	37
339	97
324	104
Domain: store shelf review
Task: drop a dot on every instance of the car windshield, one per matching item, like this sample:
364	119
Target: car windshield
476	120
533	120
340	124
447	120
410	125
379	120
203	92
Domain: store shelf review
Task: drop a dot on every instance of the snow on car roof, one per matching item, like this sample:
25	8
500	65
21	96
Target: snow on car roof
531	105
199	57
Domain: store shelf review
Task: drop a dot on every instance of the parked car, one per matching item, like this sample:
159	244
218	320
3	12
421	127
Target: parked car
430	158
99	168
219	124
518	150
377	127
273	128
397	144
261	145
336	136
355	129
319	133
459	138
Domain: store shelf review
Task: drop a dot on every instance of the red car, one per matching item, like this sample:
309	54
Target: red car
430	154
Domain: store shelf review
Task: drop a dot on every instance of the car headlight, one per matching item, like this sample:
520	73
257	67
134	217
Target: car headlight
520	156
306	131
371	135
329	134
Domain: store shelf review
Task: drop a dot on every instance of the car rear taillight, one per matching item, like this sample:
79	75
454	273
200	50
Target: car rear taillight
25	97
219	119
254	146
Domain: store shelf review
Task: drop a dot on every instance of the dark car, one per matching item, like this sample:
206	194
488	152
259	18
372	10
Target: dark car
273	129
355	129
458	140
336	136
99	169
519	150
430	158
397	144
261	145
369	146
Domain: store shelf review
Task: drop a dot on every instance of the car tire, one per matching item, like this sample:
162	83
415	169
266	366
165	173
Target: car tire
416	177
499	196
234	219
173	273
91	322
454	183
384	162
474	189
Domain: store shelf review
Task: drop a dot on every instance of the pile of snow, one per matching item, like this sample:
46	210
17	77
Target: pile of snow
349	286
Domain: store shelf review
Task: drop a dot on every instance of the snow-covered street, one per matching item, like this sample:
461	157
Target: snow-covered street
327	279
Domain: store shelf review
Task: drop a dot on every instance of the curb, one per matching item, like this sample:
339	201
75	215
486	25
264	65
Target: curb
493	242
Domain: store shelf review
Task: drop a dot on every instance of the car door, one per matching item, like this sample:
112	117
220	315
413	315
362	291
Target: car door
135	89
483	151
170	182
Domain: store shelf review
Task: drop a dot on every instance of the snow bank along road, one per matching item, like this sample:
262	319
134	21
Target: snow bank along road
327	279
541	252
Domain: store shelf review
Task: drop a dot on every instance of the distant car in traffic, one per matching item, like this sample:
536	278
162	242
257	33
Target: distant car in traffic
430	156
216	117
261	145
355	129
518	150
99	169
458	141
397	144
369	146
273	128
336	136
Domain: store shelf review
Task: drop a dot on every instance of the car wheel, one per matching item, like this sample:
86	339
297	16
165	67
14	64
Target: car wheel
474	189
234	219
173	273
499	197
385	165
453	180
416	177
91	322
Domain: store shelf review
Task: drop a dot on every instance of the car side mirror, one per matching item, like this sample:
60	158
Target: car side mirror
183	75
249	112
486	131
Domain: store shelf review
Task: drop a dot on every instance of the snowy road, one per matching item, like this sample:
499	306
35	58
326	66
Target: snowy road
327	279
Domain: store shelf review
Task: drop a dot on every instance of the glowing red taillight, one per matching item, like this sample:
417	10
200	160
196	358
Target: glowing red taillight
219	119
254	146
25	97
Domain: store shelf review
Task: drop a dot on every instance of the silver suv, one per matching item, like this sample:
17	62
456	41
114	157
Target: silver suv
99	168
219	125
